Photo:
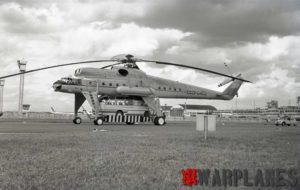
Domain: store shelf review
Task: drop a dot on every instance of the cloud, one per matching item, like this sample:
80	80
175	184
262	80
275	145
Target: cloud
259	39
224	22
22	20
252	59
98	39
94	40
274	85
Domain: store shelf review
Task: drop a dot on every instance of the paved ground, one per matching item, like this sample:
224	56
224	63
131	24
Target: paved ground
66	156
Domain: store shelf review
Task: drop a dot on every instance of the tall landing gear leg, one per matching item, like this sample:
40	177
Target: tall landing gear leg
154	104
92	98
99	120
79	100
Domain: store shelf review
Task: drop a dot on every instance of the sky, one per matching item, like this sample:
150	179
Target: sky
258	38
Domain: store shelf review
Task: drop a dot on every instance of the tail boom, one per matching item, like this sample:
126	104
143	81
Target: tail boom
231	90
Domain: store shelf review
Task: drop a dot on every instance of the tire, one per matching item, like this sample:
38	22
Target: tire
77	120
283	123
155	121
98	121
159	121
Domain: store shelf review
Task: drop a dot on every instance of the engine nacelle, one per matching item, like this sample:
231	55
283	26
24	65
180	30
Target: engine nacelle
90	72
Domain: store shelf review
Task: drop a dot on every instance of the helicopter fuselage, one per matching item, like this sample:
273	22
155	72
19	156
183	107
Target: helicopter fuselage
120	81
96	84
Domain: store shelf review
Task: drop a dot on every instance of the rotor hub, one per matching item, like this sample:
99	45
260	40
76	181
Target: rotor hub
124	58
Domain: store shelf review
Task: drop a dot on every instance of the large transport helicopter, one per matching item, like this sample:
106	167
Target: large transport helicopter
125	79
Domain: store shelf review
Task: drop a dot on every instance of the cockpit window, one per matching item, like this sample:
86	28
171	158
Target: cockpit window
77	71
65	80
69	81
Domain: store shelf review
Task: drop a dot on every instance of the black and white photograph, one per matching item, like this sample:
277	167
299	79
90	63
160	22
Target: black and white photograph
162	94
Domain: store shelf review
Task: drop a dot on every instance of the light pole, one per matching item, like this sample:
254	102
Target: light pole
1	96
22	67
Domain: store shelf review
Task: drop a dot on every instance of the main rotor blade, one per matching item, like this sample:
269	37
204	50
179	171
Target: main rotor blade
54	66
196	68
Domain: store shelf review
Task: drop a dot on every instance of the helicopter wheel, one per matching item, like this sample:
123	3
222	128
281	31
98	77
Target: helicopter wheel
159	121
77	120
98	121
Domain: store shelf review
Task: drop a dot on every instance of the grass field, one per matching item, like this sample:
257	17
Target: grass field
62	156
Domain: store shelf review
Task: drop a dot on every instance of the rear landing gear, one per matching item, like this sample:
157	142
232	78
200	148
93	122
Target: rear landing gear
159	121
77	120
98	121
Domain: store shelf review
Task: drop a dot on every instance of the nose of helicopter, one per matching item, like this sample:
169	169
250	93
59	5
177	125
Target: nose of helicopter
57	85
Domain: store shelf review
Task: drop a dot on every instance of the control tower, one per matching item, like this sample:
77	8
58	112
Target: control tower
1	96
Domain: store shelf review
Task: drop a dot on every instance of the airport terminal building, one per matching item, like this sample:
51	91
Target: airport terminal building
271	111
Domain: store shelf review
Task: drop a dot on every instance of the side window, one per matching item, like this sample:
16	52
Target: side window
103	83
159	87
117	84
165	88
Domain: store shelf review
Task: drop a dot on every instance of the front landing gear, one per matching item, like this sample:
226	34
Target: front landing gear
98	121
79	99
159	121
77	120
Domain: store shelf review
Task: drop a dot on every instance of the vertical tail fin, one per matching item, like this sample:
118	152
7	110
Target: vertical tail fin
232	89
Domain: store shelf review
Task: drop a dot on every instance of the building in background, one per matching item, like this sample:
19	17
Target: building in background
190	110
273	104
166	110
22	68
176	111
1	96
26	107
271	112
289	110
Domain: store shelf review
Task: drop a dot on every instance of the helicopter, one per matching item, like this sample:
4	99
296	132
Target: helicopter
124	78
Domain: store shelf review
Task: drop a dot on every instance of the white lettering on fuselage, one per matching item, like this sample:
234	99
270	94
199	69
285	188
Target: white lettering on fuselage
192	92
